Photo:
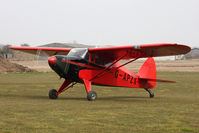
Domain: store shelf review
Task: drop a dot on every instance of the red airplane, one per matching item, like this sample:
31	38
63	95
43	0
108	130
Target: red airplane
100	66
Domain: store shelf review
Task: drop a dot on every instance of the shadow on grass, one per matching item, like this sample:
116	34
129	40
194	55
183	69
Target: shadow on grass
24	96
123	98
110	98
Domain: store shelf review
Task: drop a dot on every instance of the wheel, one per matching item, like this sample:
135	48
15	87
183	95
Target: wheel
52	94
151	95
92	96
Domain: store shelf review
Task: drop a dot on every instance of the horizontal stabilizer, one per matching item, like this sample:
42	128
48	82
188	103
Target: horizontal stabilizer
159	80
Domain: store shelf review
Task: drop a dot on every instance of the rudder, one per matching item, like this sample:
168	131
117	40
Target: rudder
148	72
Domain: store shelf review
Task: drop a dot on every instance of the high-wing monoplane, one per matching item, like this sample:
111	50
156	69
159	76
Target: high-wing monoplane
100	66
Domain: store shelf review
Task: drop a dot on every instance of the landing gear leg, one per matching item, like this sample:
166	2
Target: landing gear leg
53	94
151	94
91	95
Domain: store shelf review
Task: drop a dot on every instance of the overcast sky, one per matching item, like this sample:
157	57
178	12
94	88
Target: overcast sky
99	22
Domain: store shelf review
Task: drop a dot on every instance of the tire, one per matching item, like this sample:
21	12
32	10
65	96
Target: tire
52	94
151	95
92	96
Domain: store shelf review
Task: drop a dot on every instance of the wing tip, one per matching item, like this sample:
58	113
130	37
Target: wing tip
184	48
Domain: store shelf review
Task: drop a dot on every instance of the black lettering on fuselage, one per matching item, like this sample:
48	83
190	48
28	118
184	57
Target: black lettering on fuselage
124	78
128	77
133	80
116	73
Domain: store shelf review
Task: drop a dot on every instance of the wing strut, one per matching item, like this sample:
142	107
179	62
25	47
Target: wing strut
126	63
102	72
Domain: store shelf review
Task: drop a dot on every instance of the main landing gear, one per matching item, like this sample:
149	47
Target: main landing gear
91	95
53	94
151	94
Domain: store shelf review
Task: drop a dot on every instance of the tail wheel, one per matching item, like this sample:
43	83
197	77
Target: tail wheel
53	94
92	96
151	94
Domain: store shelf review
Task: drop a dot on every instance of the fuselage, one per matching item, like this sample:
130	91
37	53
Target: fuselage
68	67
77	67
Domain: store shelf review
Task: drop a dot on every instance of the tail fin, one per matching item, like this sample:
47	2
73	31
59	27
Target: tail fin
148	73
148	69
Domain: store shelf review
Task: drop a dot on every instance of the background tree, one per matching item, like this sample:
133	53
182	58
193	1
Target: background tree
25	45
6	51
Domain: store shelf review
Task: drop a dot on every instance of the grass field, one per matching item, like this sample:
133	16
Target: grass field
25	107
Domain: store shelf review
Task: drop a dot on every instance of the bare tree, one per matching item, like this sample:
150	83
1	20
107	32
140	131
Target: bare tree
1	53
6	51
25	45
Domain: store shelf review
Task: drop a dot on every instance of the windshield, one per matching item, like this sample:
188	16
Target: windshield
80	52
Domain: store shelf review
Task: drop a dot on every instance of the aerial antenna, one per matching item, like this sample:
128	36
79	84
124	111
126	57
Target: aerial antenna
96	45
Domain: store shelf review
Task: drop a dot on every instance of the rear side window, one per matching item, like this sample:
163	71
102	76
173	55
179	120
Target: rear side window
93	58
99	60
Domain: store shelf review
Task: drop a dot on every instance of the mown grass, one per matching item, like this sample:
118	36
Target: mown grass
25	107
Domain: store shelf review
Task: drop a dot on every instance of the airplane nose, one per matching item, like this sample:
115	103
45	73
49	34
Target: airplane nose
52	60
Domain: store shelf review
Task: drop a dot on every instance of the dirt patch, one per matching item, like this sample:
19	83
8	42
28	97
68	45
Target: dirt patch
173	66
40	66
6	66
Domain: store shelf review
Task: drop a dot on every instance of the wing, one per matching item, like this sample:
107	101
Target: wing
141	51
48	50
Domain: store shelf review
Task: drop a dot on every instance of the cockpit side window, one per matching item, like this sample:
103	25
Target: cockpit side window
99	60
80	52
107	61
87	56
92	58
96	59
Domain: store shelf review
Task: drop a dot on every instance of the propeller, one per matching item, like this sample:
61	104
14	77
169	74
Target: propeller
41	60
